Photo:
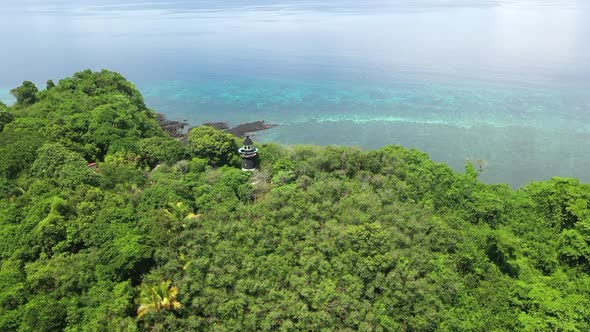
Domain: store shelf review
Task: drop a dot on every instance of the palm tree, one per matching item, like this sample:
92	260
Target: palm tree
157	298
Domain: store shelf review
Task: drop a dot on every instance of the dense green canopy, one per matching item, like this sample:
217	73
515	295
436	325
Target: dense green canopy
164	236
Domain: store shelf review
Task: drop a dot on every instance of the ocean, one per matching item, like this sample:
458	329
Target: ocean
505	81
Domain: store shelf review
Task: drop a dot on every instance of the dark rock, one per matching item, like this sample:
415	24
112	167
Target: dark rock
250	127
172	127
217	125
177	130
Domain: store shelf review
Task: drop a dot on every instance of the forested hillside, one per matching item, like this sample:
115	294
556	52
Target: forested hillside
168	236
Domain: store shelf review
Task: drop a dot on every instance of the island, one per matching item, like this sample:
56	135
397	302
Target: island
110	222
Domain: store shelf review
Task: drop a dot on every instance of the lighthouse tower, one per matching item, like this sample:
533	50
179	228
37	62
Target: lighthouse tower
249	155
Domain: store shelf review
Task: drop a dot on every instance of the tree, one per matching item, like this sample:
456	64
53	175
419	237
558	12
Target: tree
218	147
18	149
44	313
50	85
52	157
162	149
127	256
5	118
154	299
26	94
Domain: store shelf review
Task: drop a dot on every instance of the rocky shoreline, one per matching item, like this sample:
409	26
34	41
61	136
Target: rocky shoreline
246	129
173	127
177	130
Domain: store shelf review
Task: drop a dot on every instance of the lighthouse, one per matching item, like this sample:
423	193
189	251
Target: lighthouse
249	155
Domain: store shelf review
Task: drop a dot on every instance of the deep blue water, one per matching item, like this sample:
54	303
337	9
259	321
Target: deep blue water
507	81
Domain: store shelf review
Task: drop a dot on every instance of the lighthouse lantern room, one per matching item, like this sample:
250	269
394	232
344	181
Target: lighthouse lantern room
249	155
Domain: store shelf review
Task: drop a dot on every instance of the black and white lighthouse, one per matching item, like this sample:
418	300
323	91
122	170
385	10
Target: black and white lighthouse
249	155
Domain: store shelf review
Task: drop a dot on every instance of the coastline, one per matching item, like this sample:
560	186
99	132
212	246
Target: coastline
176	128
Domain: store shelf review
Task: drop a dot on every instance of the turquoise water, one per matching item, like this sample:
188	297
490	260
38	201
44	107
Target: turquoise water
507	81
